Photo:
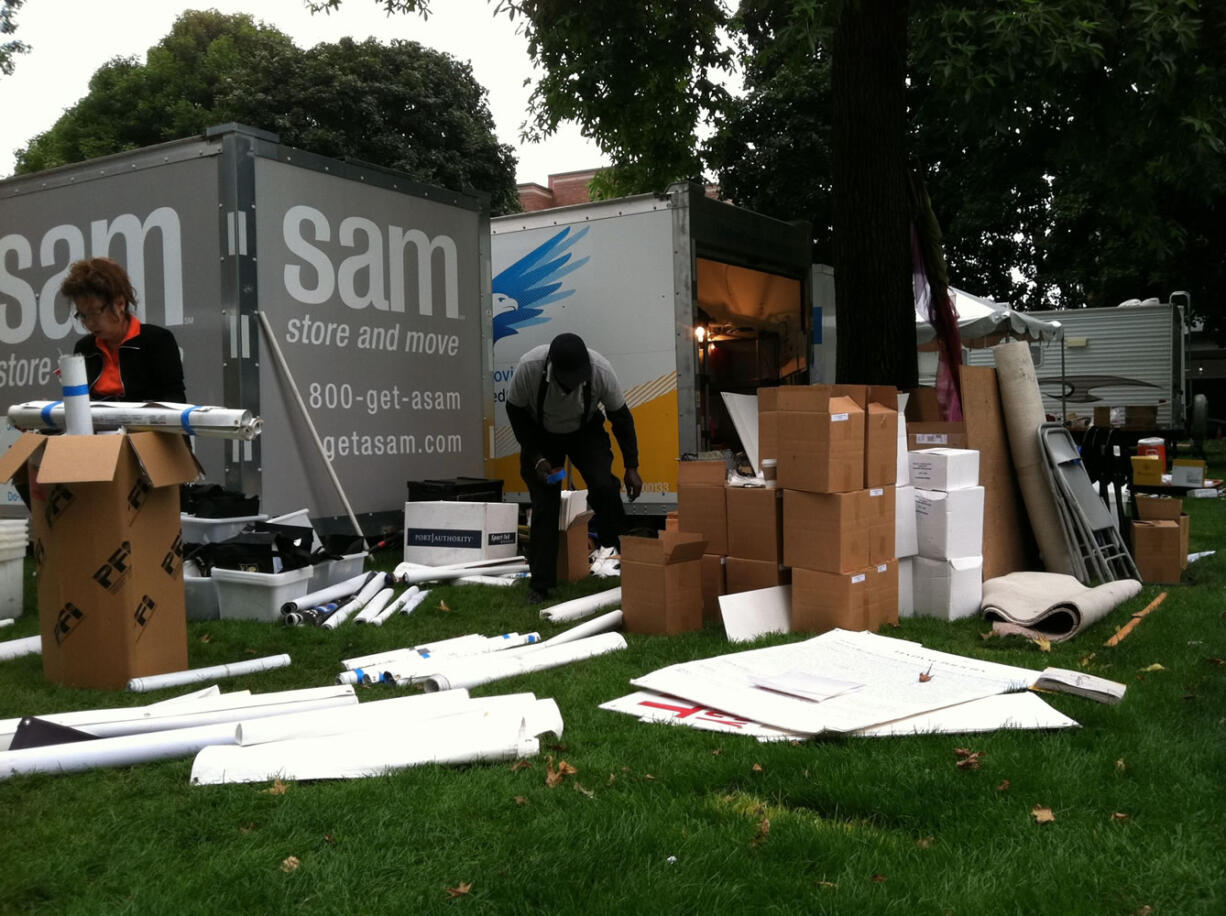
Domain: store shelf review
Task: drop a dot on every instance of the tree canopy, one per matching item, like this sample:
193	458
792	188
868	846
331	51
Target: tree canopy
9	47
397	105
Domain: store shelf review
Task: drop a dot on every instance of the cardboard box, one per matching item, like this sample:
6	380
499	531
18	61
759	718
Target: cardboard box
902	470
108	552
883	595
1185	536
948	589
574	554
1147	470
949	524
906	542
935	434
1140	416
824	601
824	531
1102	416
821	440
662	583
1187	472
444	532
671	522
1158	508
1156	549
744	575
755	523
944	468
768	423
906	587
702	473
877	511
713	585
881	437
703	510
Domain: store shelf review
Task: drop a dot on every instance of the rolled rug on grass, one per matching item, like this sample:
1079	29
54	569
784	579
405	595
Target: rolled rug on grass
1053	606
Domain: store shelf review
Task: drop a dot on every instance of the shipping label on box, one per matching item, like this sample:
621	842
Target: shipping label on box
824	601
755	523
944	468
824	531
445	532
922	435
949	524
109	552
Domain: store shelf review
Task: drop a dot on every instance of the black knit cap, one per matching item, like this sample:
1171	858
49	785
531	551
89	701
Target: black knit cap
570	362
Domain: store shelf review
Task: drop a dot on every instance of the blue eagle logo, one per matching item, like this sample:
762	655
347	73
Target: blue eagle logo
522	291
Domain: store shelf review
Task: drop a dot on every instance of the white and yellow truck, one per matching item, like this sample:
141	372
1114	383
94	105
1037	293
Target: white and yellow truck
688	297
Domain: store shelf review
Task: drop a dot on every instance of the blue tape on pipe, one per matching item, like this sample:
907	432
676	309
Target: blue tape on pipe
46	413
71	391
185	420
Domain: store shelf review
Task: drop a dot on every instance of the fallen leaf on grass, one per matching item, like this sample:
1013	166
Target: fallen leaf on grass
829	885
521	765
757	768
764	829
1154	667
649	777
968	759
252	651
1121	816
206	638
554	777
460	889
329	839
717	752
277	788
878	879
247	828
520	800
1042	814
1043	643
1120	766
1004	786
1145	910
1086	659
924	842
290	864
612	779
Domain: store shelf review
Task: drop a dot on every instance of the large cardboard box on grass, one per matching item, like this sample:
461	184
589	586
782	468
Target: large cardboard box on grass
821	438
713	585
825	531
883	599
662	583
108	552
749	575
755	523
880	432
447	532
822	601
1156	547
574	557
877	511
701	508
949	589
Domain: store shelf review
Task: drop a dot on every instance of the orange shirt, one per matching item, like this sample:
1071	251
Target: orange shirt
109	382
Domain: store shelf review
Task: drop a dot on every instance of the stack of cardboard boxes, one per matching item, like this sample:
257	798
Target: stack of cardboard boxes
1160	538
948	572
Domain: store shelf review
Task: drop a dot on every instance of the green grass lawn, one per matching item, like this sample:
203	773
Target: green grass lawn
668	820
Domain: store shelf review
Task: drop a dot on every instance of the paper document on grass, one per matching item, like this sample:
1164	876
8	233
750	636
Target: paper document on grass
989	714
890	669
656	707
1063	680
806	685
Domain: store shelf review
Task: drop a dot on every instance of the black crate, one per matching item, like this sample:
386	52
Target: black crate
459	489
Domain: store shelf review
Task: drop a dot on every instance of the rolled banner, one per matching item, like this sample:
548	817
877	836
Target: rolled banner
15	648
579	608
74	388
189	419
195	675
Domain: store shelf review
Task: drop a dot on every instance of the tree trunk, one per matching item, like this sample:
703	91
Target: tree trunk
870	209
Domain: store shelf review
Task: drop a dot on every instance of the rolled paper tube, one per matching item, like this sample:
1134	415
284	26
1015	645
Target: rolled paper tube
74	388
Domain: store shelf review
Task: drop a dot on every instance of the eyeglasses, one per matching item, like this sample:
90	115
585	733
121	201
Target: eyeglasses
91	315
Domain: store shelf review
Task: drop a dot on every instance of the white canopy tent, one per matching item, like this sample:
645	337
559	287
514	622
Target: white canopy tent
984	323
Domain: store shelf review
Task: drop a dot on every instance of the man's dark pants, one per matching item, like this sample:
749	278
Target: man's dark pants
591	452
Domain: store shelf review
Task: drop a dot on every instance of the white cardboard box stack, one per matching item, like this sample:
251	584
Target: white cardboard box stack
947	574
906	544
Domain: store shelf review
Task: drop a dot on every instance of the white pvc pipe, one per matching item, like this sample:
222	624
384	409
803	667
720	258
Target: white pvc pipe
366	661
464	672
190	419
471	565
582	607
445	573
202	694
7	622
362	754
415	602
122	750
16	648
601	624
74	388
196	675
487	580
362	717
374	607
331	593
403	673
369	590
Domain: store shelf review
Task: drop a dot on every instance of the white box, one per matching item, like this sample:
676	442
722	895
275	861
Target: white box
949	524
330	572
904	457
572	505
948	589
12	582
906	543
197	530
200	597
944	468
906	586
441	533
257	596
